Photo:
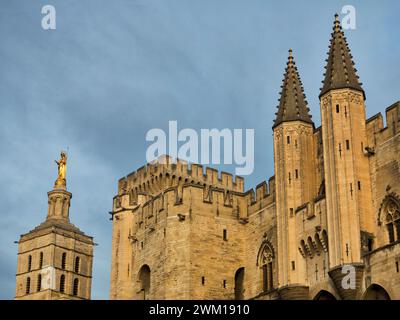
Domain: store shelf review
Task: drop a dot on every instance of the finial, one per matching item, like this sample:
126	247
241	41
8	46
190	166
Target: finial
336	17
290	55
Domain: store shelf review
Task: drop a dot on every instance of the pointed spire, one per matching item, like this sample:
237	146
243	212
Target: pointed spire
292	103
340	71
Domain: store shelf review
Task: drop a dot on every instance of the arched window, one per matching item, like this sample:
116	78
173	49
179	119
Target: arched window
75	289
390	227
40	260
144	279
29	263
77	264
28	285
39	283
62	283
393	210
390	214
63	260
265	261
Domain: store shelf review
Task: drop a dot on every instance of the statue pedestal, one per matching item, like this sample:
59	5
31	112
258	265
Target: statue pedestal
59	202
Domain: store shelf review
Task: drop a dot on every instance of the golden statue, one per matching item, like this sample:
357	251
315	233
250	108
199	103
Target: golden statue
62	170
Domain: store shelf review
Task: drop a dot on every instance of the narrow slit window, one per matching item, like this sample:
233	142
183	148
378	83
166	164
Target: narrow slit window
77	264
39	283
62	283
225	235
41	260
288	139
63	260
337	108
29	263
75	289
203	280
348	144
28	285
297	173
359	185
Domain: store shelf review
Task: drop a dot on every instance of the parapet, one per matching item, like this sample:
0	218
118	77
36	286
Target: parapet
264	190
376	129
165	173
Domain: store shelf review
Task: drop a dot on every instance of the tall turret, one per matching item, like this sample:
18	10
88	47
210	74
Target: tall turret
294	174
55	259
347	174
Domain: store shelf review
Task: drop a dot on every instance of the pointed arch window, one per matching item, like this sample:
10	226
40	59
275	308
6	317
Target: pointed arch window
265	261
390	227
393	220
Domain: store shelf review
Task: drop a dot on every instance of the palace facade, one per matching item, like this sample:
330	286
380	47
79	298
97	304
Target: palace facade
325	226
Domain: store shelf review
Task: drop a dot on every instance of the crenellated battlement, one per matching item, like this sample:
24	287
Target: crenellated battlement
377	131
165	173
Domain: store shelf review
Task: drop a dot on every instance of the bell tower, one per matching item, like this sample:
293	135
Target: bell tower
295	179
347	174
55	259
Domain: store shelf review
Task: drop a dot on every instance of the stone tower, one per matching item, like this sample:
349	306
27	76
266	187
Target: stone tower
347	174
55	259
294	174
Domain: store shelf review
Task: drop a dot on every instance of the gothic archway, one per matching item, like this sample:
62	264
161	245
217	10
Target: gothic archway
265	260
376	292
324	295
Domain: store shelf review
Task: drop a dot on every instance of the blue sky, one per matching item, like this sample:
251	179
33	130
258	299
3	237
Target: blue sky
112	70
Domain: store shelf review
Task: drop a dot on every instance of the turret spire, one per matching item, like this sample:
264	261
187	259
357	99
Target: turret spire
340	71
292	103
